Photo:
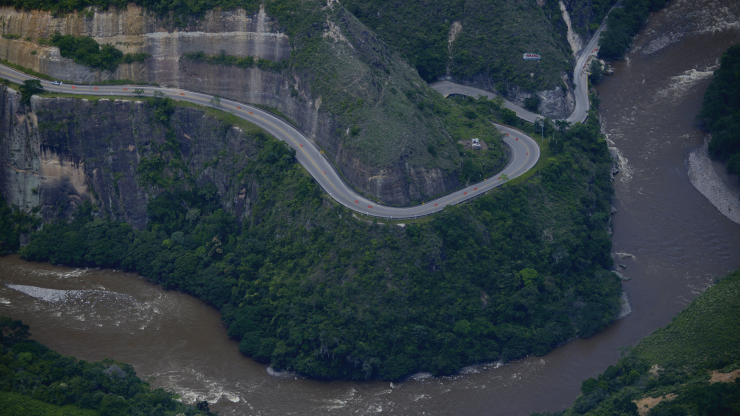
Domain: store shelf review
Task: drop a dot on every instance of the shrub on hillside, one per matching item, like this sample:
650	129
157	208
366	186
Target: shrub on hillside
86	51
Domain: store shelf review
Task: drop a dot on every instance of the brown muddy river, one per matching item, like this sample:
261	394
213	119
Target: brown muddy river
679	242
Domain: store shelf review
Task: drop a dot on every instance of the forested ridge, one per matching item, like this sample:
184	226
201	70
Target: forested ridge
680	364
35	380
720	113
306	286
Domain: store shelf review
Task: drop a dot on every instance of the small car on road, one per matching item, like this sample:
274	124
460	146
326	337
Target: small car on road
56	83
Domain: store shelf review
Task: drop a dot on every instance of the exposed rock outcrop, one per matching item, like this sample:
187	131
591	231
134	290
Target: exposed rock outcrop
136	30
62	151
581	15
574	40
403	180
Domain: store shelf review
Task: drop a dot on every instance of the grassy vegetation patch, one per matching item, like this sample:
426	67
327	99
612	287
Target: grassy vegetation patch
706	333
386	114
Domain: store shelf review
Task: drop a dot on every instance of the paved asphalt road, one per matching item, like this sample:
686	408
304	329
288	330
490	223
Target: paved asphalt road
448	87
580	112
581	78
523	150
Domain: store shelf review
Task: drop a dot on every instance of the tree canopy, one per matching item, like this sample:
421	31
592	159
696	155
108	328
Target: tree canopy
30	88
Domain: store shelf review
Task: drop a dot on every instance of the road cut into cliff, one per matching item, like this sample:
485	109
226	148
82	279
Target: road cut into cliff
523	149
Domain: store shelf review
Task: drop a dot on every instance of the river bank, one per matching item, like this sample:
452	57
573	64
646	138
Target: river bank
711	179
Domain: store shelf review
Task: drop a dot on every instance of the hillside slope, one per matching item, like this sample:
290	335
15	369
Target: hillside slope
391	136
689	367
481	43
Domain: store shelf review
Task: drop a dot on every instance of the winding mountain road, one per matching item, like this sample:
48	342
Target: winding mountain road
523	150
580	77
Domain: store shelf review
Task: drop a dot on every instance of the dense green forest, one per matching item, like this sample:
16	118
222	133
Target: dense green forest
720	113
306	286
35	380
623	23
677	363
493	37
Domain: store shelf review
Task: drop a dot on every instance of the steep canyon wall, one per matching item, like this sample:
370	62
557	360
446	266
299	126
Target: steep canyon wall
63	151
136	30
235	33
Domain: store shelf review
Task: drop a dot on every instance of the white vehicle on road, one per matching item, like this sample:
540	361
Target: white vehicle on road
56	83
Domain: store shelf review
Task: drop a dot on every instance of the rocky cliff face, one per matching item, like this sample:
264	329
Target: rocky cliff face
399	180
136	30
62	151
